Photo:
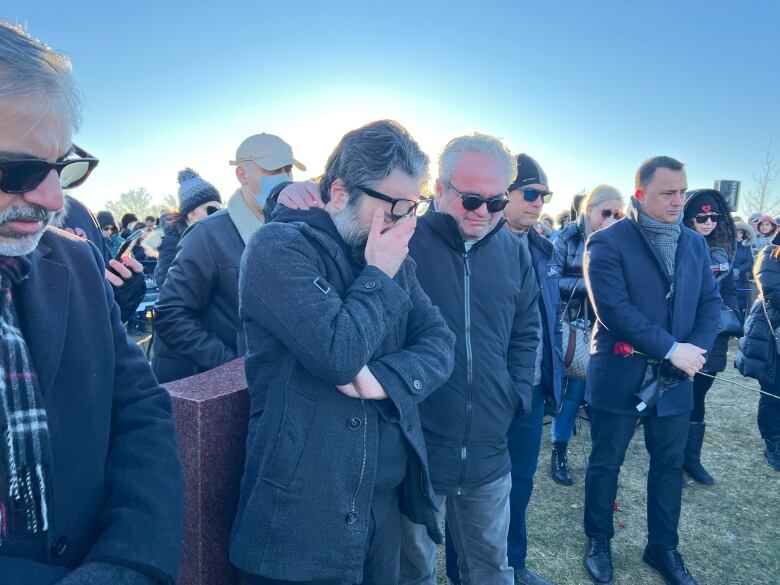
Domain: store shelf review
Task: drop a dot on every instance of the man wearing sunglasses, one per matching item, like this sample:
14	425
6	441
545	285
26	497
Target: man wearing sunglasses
481	278
90	483
527	194
649	279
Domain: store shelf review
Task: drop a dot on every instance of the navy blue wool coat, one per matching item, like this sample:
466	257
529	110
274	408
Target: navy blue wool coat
636	302
115	476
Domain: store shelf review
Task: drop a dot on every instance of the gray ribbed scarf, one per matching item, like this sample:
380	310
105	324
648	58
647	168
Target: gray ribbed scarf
663	235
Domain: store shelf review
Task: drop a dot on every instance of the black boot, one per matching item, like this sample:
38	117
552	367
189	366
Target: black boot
692	464
772	452
598	561
670	564
559	467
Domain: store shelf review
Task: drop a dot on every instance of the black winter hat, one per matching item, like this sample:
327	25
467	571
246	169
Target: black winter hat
528	173
702	201
105	218
194	191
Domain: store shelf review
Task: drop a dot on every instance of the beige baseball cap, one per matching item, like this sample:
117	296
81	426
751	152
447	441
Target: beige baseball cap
268	151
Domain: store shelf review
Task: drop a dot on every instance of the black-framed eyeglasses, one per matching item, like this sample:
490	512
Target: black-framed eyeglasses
703	217
473	201
25	175
400	207
607	213
530	194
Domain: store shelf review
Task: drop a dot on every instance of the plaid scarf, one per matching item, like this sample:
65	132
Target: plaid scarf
24	454
663	235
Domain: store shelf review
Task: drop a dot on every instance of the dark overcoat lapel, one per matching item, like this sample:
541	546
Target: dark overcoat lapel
45	298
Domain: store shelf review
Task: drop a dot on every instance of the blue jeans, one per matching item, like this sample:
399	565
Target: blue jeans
563	424
525	438
479	521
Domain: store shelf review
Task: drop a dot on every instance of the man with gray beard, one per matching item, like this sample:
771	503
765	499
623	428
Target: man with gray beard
90	481
342	346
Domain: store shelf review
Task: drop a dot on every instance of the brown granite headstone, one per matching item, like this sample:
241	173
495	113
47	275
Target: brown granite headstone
211	412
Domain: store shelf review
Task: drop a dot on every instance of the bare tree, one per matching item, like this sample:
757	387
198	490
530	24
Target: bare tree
760	198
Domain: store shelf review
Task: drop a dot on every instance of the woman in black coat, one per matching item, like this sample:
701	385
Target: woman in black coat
757	355
707	213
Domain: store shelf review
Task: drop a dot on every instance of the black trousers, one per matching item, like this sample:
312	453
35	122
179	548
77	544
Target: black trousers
769	414
665	439
383	550
701	384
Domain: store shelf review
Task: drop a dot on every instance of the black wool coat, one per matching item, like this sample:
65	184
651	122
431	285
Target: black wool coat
312	324
115	473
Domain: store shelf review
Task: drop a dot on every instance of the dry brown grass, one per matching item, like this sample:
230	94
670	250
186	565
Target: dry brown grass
729	533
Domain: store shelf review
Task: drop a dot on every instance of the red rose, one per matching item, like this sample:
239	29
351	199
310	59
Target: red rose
623	349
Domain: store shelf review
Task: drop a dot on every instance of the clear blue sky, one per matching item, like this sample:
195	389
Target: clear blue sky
590	89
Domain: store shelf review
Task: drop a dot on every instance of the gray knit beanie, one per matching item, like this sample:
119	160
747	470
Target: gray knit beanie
194	191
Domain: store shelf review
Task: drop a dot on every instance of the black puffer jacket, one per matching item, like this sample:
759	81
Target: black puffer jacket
756	357
567	263
488	296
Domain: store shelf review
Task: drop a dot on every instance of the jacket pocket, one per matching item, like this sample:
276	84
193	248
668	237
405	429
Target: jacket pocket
297	420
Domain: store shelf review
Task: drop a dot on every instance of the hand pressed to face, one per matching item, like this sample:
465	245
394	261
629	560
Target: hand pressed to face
30	130
475	173
664	196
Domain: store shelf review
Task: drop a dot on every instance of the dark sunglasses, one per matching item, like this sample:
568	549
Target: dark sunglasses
399	207
530	194
703	217
25	175
107	228
607	213
212	209
472	201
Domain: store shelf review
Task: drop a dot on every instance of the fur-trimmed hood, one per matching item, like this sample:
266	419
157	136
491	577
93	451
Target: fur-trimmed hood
725	234
750	233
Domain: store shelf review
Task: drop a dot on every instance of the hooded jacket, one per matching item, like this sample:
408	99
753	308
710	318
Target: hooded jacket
743	255
312	323
488	296
722	243
757	357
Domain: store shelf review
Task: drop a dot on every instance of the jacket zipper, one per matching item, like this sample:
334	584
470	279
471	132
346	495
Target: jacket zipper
469	370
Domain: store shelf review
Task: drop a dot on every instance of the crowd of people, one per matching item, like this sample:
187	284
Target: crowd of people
401	351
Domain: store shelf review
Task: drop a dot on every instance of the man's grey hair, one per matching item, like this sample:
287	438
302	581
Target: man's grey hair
483	143
367	155
32	69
